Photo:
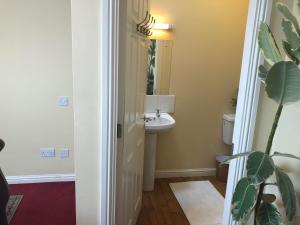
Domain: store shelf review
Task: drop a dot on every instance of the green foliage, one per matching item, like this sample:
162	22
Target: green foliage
268	45
268	215
151	67
288	194
286	12
268	198
291	34
286	155
262	73
235	156
243	200
294	55
282	84
260	167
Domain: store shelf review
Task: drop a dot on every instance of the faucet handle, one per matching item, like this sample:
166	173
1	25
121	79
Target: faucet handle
158	113
144	118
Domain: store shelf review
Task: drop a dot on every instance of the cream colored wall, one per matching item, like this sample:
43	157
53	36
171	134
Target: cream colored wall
288	133
35	69
86	44
207	54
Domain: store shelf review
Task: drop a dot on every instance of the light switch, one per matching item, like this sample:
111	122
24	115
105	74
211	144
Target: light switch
63	101
64	153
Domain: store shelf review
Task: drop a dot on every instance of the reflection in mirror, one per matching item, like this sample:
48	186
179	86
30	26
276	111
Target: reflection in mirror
159	67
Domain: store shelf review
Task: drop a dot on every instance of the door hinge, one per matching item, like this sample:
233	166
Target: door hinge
119	130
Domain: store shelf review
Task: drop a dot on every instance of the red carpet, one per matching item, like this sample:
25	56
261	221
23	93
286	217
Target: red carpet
45	204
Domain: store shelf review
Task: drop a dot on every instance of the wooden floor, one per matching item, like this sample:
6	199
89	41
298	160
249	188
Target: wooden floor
160	206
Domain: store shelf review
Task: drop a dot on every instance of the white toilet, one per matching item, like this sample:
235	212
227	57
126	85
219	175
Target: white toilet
228	125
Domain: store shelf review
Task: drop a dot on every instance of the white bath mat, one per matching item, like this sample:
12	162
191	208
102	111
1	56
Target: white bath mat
200	201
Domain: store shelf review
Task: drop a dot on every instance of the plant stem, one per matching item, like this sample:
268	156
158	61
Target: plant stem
258	201
268	150
274	128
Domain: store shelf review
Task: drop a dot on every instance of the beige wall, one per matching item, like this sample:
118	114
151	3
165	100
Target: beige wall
287	137
35	69
207	54
86	44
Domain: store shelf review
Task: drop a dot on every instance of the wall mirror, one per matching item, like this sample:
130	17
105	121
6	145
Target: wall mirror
159	67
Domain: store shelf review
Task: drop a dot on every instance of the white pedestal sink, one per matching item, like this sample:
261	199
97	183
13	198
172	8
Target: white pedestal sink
153	126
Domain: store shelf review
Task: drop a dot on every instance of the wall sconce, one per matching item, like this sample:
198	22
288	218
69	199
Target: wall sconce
163	26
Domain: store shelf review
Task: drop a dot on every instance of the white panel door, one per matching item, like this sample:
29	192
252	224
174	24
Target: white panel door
133	69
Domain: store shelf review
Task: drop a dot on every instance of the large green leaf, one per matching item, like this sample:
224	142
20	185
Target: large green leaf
268	215
291	34
283	82
244	199
294	55
260	167
286	12
268	45
288	194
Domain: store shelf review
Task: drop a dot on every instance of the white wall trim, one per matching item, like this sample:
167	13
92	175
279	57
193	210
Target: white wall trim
31	179
259	10
109	108
199	172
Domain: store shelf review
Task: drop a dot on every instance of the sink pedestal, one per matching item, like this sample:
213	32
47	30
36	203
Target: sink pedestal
149	162
154	124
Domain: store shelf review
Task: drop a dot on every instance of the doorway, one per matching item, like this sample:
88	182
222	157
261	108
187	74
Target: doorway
183	83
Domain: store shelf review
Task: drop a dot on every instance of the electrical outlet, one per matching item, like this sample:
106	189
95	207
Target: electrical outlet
47	152
64	153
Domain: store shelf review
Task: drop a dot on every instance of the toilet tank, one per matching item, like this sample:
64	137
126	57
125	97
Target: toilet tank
228	125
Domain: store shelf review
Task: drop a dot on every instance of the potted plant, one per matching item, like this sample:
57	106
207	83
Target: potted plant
4	194
282	84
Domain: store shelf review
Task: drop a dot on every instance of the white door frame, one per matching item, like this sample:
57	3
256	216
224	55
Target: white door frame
248	98
259	10
109	114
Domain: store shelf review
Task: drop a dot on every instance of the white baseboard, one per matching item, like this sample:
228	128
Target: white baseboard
30	179
200	172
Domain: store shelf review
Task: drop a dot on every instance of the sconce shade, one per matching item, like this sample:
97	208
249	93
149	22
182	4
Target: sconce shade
162	26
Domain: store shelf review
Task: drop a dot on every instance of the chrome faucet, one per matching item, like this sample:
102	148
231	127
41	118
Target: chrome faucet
157	113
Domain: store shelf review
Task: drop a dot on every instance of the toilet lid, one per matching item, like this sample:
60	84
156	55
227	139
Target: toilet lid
229	117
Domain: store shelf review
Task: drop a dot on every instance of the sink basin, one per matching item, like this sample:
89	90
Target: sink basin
154	124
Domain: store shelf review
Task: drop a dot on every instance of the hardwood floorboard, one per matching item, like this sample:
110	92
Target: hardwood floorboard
160	206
